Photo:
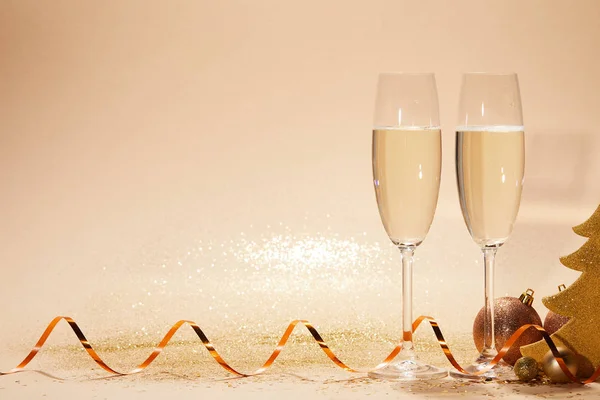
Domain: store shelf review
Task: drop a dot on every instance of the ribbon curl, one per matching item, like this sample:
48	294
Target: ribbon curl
282	342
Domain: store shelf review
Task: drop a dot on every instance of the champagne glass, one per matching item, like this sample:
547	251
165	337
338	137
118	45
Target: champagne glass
490	161
407	155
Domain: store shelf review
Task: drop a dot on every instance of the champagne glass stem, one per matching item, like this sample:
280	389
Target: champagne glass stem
489	338
407	253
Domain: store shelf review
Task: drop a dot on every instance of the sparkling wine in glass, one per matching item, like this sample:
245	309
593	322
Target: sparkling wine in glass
490	162
407	156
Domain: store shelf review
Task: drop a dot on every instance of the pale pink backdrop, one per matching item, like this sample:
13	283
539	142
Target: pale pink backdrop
154	156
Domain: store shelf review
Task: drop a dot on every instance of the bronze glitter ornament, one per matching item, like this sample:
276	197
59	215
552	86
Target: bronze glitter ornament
511	314
554	321
553	370
585	368
579	301
526	369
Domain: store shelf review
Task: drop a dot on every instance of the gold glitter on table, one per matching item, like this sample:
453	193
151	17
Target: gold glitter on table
302	371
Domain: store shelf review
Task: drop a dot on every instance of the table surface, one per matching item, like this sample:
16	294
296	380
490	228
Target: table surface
305	383
185	371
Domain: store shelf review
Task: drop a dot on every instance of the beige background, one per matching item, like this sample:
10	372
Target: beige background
156	157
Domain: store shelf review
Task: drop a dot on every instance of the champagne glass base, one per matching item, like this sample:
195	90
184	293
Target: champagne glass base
407	370
501	371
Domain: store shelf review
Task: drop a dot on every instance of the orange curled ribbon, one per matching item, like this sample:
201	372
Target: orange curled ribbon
282	342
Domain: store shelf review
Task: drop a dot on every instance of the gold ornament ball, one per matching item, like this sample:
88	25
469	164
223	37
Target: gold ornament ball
526	369
553	370
511	314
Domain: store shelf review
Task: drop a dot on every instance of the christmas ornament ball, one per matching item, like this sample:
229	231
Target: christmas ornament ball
553	370
511	314
526	369
554	322
585	368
